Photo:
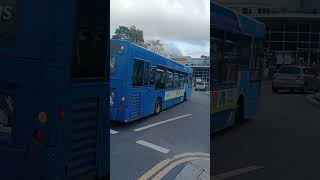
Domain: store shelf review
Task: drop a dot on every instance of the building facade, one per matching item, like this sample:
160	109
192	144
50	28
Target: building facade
292	29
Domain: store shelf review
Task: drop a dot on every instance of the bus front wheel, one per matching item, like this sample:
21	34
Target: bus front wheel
157	107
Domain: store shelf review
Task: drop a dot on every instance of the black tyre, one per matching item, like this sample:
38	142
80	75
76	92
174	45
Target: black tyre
157	107
184	97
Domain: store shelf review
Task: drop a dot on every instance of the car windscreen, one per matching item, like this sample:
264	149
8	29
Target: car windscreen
290	70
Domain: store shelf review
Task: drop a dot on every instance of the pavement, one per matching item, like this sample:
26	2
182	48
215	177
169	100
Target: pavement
171	145
281	142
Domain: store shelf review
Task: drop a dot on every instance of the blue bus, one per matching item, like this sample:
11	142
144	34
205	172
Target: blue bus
236	66
53	123
144	83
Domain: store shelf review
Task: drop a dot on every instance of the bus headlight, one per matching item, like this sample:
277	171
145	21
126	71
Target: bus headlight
123	99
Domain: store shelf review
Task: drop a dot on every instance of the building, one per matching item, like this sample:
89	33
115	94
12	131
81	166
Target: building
200	66
292	28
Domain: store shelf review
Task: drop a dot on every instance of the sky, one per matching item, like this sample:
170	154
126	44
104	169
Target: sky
181	24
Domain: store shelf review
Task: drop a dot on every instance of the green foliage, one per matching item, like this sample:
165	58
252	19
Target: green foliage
131	34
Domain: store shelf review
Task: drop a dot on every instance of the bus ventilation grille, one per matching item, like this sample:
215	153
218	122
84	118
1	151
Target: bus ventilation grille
135	106
84	138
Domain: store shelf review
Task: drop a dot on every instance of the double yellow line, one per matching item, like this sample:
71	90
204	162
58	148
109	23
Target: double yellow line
164	167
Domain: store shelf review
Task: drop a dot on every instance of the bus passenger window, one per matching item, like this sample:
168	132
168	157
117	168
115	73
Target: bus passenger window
176	80
161	78
170	76
152	76
138	73
146	73
181	81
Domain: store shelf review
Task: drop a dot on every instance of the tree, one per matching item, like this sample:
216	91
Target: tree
166	50
155	46
131	34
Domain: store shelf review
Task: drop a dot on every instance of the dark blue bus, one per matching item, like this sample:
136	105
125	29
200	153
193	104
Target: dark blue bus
53	123
144	83
236	66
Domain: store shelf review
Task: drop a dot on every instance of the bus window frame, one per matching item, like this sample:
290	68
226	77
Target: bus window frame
167	80
154	76
243	61
133	72
146	76
164	69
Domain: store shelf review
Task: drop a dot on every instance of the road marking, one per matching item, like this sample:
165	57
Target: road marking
162	122
236	172
153	146
165	162
165	171
113	131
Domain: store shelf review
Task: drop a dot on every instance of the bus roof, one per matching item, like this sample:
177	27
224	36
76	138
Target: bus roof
187	69
231	20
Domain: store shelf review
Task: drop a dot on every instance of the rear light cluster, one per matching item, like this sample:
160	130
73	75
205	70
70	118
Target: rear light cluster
39	136
42	118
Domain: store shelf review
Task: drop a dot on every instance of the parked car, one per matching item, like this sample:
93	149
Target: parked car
295	78
202	86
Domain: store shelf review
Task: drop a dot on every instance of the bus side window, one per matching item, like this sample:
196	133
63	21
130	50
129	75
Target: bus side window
170	78
181	80
160	77
138	67
152	76
176	79
146	73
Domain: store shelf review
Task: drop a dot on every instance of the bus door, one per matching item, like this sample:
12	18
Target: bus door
88	148
254	89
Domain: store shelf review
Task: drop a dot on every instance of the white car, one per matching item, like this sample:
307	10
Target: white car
202	86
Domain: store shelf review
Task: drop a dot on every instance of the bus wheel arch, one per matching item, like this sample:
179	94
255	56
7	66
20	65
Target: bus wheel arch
158	106
240	109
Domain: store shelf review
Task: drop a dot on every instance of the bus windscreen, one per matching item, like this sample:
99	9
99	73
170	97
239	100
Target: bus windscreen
7	21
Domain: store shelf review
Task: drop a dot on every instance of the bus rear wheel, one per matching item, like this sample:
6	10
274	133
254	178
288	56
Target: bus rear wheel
157	107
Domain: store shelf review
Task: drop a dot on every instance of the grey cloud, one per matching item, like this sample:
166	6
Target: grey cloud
168	20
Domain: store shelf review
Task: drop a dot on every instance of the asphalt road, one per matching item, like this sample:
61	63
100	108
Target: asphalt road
281	142
134	153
